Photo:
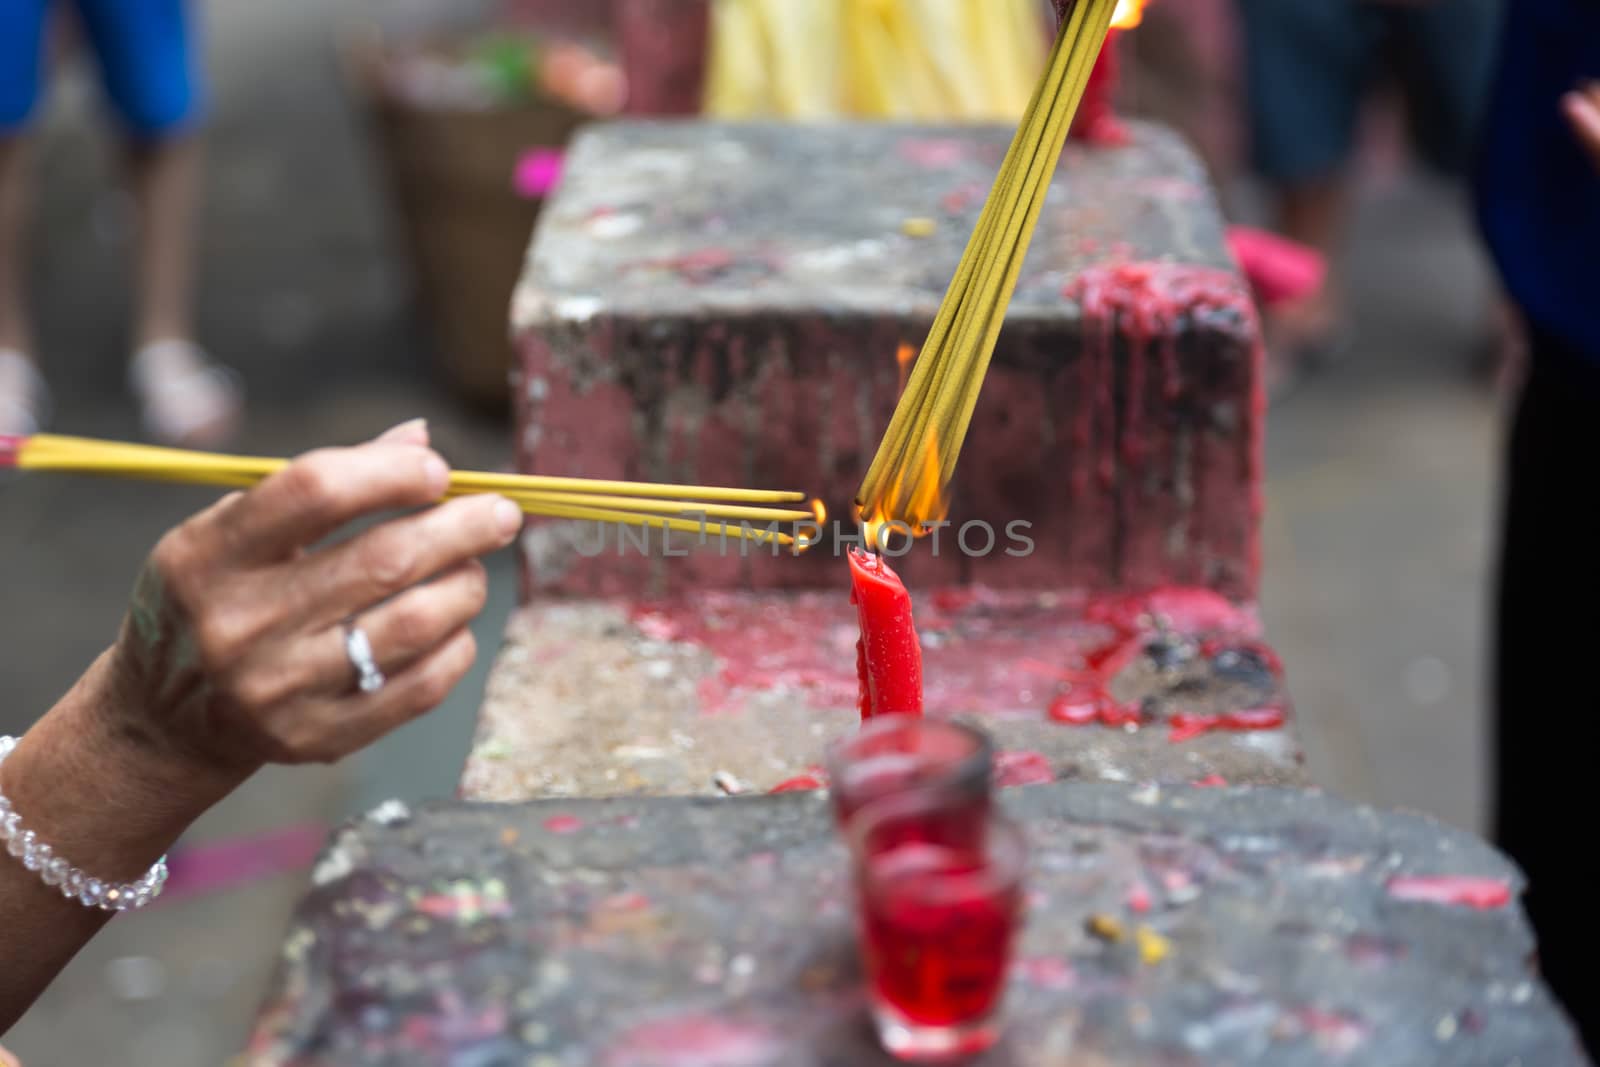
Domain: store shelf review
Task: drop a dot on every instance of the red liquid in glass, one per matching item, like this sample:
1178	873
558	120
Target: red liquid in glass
938	931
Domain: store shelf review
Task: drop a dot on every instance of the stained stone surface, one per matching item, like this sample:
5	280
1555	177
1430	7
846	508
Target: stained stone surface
723	304
1277	924
598	698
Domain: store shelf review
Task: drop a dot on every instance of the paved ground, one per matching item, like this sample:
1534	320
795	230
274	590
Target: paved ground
1380	499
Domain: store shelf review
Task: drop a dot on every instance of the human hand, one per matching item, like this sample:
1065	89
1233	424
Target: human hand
233	653
1582	107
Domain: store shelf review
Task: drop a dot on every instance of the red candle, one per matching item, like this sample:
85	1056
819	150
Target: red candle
888	655
1096	121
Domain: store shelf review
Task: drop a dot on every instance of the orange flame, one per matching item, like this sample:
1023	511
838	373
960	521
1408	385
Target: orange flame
1129	14
906	356
820	510
927	504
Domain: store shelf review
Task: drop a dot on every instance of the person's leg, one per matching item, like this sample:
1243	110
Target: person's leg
166	187
21	73
1307	63
151	70
1546	703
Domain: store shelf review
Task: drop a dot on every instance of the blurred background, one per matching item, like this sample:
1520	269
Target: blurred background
373	173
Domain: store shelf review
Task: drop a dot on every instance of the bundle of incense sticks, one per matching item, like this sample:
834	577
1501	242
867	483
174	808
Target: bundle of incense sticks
896	59
917	457
704	510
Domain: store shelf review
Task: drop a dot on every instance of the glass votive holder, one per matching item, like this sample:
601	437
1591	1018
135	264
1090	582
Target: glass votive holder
894	753
941	901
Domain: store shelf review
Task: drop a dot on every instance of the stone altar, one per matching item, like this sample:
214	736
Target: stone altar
1183	926
695	309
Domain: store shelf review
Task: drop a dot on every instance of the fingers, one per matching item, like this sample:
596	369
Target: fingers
324	490
414	432
351	725
401	632
1583	113
330	586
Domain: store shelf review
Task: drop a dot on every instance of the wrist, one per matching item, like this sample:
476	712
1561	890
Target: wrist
97	786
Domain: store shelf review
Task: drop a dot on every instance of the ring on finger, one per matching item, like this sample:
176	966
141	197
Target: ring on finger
369	679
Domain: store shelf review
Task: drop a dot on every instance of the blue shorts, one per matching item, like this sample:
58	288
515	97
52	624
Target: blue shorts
1311	64
148	64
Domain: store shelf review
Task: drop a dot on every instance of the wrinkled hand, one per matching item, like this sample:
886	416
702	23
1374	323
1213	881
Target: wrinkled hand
1583	113
233	653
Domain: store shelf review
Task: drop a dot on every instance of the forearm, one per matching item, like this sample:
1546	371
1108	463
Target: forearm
104	800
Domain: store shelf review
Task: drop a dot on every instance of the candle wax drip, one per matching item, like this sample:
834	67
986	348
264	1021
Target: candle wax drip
1145	305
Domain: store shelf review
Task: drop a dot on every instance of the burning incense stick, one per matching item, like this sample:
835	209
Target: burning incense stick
685	508
917	458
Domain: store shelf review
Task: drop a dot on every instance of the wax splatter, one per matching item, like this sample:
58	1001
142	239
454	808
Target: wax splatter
563	824
1211	781
936	152
1046	972
694	1041
1186	726
1011	652
1139	898
466	903
1484	894
802	783
1334	1033
1022	768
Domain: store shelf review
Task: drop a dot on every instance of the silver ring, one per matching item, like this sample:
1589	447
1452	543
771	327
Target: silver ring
368	677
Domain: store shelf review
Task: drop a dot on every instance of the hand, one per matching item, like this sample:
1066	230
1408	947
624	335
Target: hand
1583	112
233	654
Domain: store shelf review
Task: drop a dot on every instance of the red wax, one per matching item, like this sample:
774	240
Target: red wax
801	783
888	655
9	447
938	933
1096	121
1484	894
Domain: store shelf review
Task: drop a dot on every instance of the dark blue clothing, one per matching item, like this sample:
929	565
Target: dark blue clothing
1312	65
1539	193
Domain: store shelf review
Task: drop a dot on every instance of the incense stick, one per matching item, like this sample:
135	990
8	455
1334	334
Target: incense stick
917	458
705	510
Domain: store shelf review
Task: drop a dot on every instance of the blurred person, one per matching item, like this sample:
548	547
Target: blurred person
236	652
150	71
1311	65
1539	202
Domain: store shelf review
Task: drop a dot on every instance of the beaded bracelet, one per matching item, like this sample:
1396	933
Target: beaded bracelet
73	883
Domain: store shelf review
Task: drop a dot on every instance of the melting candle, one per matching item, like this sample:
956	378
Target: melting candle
1096	121
888	654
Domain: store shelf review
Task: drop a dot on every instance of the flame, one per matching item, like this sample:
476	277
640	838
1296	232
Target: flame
905	356
927	504
1129	14
820	510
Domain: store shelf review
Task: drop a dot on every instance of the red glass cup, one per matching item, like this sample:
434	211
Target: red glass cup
891	754
941	901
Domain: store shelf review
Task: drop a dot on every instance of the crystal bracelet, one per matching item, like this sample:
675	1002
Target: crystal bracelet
73	883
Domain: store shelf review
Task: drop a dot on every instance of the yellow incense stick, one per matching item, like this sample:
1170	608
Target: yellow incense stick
709	511
917	458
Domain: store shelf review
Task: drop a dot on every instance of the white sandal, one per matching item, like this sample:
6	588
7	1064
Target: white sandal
24	396
186	399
